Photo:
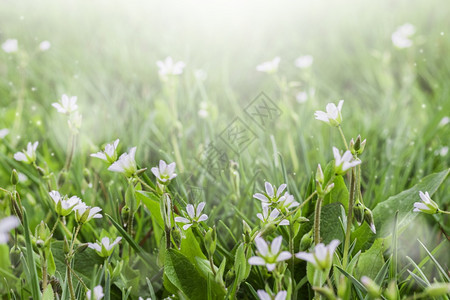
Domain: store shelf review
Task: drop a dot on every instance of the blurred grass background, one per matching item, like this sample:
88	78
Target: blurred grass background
105	53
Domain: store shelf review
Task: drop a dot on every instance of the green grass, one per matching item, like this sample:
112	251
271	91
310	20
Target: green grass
106	55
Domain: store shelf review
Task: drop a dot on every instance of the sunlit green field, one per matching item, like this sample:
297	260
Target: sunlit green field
230	124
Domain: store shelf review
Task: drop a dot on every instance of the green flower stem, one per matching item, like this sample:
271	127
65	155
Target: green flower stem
317	213
142	182
291	246
69	280
44	270
69	262
444	212
349	219
70	150
343	136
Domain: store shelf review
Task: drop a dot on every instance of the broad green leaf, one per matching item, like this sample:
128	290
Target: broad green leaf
151	201
48	293
370	261
384	212
35	291
184	276
190	247
339	193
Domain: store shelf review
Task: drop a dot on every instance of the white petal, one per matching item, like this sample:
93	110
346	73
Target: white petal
19	156
263	295
269	189
257	261
8	223
182	220
185	227
200	207
284	256
281	295
262	246
341	102
260	197
321	116
100	155
306	256
276	245
284	222
271	267
190	210
202	218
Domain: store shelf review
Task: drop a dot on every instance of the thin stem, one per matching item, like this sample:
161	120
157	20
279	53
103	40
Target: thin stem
71	150
145	184
54	227
291	246
317	221
444	212
343	137
349	219
44	270
69	280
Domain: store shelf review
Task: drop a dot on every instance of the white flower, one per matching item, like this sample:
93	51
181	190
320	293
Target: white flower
304	62
443	151
272	194
444	121
44	45
27	156
344	162
84	213
263	295
269	66
322	258
63	204
267	218
97	293
67	105
427	205
4	132
194	215
165	173
168	67
140	298
6	225
301	97
269	257
401	37
10	46
106	247
126	164
200	75
109	154
333	115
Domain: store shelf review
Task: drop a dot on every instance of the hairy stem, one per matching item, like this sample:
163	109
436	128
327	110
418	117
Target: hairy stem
349	219
317	213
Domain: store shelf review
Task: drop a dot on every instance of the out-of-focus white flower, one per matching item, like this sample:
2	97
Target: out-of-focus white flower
67	105
401	37
200	75
126	164
6	225
27	156
333	115
444	121
203	112
427	205
4	132
304	61
443	151
10	46
44	45
269	257
271	218
74	122
269	66
84	213
22	177
63	204
168	67
272	194
194	215
165	172
263	295
322	258
344	162
286	202
106	247
96	294
301	97
109	154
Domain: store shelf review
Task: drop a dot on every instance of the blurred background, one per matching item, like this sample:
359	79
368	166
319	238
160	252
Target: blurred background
394	81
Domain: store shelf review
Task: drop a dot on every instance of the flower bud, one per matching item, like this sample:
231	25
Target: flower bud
247	235
437	289
328	188
358	211
373	289
14	177
325	291
80	248
42	232
391	293
210	241
306	241
319	175
125	213
177	236
368	217
66	247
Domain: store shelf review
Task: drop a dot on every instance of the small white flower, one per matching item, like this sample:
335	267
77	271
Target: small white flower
272	194
109	154
344	162
304	62
96	294
443	151
168	67
4	132
27	156
263	295
63	204
200	75
269	257
165	172
427	205
333	115
194	215
444	121
286	202
301	97
84	213
67	105
322	258
126	164
269	66
271	217
10	46
106	247
6	225
401	37
44	45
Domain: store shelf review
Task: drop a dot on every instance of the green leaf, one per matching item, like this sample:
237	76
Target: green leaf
151	201
339	193
370	261
35	290
184	276
48	293
383	213
190	247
